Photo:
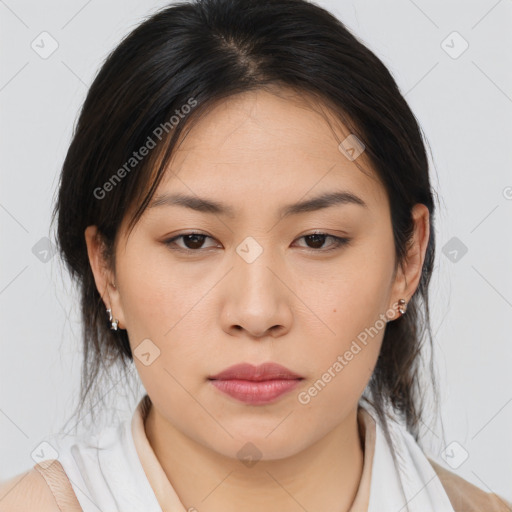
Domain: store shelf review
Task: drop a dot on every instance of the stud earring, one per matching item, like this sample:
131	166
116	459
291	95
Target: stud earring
402	307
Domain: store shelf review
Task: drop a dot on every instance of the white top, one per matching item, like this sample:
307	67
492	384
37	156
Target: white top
116	470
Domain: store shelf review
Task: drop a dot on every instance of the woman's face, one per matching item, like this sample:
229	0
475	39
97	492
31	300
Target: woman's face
258	286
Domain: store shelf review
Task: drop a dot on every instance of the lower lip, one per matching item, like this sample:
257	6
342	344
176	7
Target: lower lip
256	392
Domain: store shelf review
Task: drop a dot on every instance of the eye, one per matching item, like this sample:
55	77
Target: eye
318	239
194	241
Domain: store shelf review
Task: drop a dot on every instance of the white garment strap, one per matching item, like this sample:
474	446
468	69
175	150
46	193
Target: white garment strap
411	485
106	473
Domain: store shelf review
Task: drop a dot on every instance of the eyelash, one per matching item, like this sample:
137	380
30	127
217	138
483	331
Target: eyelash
338	242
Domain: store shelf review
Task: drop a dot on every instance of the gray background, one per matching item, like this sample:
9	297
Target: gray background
463	101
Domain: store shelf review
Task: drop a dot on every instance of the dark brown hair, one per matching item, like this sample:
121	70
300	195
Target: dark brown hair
198	54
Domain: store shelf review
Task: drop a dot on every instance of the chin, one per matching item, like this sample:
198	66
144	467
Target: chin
258	445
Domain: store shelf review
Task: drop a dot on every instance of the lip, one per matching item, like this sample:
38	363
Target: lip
265	371
256	385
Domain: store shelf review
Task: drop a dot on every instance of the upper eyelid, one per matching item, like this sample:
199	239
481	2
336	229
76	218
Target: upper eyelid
180	235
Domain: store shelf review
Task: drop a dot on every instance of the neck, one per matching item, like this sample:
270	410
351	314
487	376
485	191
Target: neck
324	476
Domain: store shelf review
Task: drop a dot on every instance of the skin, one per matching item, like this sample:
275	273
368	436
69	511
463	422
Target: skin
210	309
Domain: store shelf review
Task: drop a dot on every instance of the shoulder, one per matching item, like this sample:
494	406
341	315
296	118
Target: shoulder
466	497
27	491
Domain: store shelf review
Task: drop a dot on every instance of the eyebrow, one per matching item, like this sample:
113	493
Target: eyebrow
325	200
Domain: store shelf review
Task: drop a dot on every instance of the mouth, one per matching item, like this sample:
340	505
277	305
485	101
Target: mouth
256	385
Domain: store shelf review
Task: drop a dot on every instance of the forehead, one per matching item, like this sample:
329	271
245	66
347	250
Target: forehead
258	126
271	147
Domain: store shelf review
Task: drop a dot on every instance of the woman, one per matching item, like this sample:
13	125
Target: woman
247	209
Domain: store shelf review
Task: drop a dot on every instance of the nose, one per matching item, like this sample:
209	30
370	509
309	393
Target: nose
257	298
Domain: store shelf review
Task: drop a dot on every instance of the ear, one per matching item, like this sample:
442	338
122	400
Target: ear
408	275
103	275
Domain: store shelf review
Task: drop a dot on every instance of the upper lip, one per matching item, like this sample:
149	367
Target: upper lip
265	371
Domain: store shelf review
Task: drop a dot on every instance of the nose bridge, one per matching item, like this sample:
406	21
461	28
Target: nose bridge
256	266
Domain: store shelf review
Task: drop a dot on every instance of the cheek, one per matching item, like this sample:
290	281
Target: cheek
154	296
341	371
359	292
352	306
162	304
